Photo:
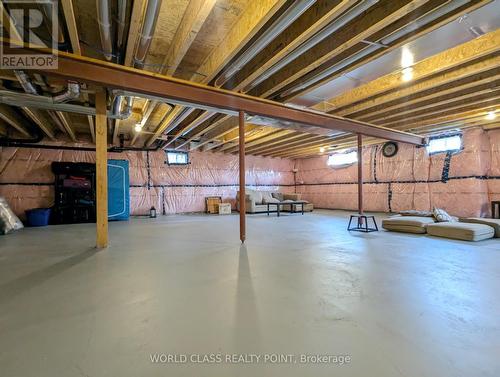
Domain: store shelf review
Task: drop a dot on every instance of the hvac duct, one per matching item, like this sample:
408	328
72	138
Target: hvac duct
148	28
117	105
47	103
294	12
317	38
72	91
383	42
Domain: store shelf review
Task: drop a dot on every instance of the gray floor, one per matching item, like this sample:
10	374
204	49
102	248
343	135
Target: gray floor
397	305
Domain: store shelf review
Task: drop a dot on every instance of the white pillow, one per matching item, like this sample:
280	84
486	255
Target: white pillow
266	200
442	216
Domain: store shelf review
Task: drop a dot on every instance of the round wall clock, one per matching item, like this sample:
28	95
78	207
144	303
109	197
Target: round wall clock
390	149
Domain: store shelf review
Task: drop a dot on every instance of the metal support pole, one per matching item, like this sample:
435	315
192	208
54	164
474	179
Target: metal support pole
360	175
242	176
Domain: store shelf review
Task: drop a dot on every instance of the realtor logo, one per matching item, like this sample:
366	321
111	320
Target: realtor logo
35	22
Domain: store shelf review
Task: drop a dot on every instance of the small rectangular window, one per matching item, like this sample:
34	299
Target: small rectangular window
177	158
342	159
445	144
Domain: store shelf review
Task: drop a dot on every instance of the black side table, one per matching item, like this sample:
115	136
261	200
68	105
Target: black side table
361	224
495	209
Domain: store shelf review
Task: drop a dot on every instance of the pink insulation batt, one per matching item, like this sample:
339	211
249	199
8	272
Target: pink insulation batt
410	180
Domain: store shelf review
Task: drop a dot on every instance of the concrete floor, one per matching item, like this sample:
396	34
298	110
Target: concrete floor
398	305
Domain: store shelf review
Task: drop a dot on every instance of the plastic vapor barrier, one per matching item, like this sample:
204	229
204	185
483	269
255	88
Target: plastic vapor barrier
462	183
26	180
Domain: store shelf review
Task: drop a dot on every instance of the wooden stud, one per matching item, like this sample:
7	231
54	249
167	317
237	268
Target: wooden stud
40	121
256	14
457	56
375	19
101	169
69	15
242	203
194	17
10	117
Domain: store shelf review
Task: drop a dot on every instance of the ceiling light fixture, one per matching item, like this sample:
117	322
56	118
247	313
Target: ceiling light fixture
407	74
321	149
407	58
138	128
491	115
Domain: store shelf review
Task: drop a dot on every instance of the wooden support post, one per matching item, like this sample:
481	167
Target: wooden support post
360	176
101	149
242	176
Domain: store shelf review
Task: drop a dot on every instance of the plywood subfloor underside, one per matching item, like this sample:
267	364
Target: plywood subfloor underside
399	305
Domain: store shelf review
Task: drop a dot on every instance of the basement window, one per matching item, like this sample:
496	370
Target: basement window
342	159
177	158
445	144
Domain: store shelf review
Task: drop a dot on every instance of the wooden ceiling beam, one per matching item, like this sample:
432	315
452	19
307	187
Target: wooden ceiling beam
11	118
426	8
40	121
304	139
260	140
437	94
193	19
312	144
299	151
307	25
283	140
444	106
252	131
255	16
134	30
483	47
69	16
374	19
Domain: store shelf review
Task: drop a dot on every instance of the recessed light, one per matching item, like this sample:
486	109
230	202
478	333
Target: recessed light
138	128
321	149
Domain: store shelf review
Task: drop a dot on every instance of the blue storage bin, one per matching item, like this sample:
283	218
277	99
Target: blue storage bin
38	216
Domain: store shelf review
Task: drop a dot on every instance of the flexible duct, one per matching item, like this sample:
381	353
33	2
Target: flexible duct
117	105
72	92
47	103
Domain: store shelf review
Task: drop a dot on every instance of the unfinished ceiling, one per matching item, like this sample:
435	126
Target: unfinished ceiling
418	65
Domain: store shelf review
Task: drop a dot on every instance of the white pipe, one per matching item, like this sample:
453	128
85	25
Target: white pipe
104	21
148	28
315	39
121	21
384	41
285	20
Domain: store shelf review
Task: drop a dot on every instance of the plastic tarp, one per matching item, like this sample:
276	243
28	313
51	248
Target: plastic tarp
26	180
412	179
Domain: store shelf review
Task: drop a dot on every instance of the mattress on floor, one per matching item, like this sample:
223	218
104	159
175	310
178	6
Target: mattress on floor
407	224
494	223
461	231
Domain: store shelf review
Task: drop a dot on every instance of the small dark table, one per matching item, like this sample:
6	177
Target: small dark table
292	209
361	224
495	209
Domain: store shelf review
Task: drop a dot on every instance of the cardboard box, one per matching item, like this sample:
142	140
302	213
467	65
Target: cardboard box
224	208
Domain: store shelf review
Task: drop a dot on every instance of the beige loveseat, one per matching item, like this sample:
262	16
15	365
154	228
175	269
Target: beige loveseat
256	201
